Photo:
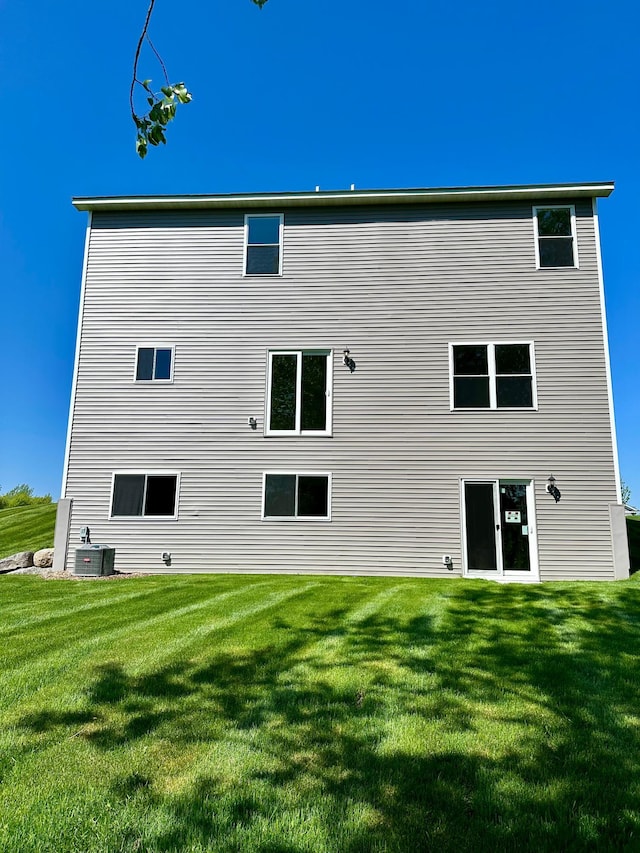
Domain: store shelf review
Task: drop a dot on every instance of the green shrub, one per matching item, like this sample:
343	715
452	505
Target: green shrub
22	495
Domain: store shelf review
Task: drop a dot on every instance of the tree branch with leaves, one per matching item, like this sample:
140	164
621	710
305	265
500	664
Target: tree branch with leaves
151	125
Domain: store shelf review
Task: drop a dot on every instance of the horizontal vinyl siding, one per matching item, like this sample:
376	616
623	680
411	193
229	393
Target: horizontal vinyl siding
395	286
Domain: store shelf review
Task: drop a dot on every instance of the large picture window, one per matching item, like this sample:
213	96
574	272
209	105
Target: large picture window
144	495
296	496
263	244
492	376
555	232
299	393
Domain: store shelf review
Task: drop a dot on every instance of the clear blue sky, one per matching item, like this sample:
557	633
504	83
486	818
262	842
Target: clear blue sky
380	94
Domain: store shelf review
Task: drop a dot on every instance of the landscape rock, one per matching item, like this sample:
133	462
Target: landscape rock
43	558
31	570
22	560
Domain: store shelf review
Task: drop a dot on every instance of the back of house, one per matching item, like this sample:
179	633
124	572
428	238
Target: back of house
396	382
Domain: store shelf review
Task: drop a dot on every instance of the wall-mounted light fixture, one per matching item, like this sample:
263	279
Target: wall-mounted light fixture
553	490
253	423
166	558
349	362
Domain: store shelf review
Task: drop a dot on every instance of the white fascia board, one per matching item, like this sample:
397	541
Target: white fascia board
348	197
76	361
607	356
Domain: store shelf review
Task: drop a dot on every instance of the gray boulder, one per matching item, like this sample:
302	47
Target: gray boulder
43	558
23	560
31	570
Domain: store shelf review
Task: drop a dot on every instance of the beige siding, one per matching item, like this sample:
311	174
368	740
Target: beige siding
395	285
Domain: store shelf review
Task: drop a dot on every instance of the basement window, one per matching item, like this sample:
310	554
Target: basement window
304	497
137	495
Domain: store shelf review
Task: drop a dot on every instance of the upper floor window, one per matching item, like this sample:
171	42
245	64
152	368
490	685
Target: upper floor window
137	495
299	393
555	229
154	364
263	244
492	376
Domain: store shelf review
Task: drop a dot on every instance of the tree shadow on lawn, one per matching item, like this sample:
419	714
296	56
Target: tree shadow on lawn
387	749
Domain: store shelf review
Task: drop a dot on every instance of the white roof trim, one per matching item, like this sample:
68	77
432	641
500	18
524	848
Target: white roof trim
347	197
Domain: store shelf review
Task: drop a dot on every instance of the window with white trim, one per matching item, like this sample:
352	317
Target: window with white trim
138	495
492	376
263	244
154	364
555	232
299	392
296	496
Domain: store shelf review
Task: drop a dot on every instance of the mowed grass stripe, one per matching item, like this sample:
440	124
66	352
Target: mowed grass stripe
43	620
336	636
83	636
141	636
73	622
183	643
46	594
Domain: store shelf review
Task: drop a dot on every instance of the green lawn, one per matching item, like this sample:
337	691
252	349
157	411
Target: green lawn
270	713
26	528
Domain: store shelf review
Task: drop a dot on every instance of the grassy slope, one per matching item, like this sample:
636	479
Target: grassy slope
26	528
318	714
633	534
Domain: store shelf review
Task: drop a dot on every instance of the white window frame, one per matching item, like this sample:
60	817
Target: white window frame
328	391
249	216
146	474
491	363
298	518
155	348
574	234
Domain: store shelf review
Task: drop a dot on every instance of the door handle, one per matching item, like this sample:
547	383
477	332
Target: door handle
497	527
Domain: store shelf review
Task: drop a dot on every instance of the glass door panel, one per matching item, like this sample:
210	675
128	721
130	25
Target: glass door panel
482	553
514	524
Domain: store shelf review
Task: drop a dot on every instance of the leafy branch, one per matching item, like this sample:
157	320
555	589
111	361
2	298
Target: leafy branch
151	125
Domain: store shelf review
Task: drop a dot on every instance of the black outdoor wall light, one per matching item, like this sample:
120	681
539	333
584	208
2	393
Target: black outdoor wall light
349	362
553	490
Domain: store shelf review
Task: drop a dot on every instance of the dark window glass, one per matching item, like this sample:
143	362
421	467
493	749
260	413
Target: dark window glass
481	526
514	392
554	222
283	392
161	495
263	245
314	390
470	361
515	543
264	229
313	496
263	260
128	492
163	364
471	392
512	358
280	495
556	252
145	363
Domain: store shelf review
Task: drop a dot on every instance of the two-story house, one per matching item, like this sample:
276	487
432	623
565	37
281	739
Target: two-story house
361	382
